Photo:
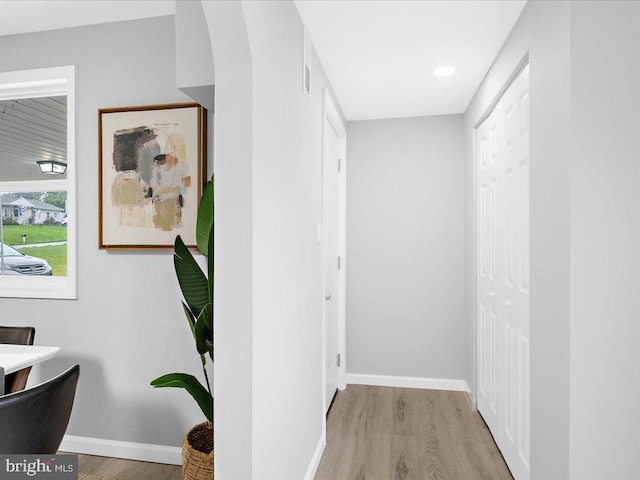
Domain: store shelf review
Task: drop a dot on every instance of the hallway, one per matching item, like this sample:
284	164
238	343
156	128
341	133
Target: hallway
380	433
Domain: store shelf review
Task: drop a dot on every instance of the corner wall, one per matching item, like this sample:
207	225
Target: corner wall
543	31
233	307
127	325
405	247
195	73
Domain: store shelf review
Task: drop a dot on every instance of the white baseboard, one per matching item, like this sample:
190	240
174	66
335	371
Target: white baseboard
117	449
315	460
472	401
408	382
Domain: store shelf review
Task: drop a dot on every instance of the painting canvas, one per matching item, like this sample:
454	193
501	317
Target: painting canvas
152	169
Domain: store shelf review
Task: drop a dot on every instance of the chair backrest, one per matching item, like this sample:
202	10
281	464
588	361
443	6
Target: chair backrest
17	335
34	421
15	382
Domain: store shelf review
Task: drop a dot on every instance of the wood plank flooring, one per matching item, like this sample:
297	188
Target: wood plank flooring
94	468
383	433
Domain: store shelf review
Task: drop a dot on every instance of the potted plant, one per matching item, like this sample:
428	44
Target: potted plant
197	290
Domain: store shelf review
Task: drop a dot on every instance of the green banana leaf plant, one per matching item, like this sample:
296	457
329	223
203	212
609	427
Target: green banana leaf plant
197	292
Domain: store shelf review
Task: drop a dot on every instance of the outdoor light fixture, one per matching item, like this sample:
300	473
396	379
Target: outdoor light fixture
52	167
444	71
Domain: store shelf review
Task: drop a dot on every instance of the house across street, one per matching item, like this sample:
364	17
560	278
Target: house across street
30	211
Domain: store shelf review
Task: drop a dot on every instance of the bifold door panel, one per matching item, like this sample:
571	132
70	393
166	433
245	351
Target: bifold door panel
502	155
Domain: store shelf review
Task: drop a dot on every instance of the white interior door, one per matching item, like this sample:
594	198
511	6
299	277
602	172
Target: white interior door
331	209
502	153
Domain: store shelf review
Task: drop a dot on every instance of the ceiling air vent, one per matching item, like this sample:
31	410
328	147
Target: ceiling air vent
306	64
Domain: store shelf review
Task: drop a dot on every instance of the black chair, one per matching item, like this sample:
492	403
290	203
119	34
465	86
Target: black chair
34	421
15	382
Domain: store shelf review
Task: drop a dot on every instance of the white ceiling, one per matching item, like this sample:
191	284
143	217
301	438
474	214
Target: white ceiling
23	16
380	55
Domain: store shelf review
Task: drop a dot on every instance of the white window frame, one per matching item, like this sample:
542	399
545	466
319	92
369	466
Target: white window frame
46	82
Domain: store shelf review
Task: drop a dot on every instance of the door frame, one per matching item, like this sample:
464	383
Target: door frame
331	118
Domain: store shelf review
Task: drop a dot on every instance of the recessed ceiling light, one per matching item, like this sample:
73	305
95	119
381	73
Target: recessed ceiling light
444	71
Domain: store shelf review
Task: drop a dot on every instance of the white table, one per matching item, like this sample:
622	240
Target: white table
17	357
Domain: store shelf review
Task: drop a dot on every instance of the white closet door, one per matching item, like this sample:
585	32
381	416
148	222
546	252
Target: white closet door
503	274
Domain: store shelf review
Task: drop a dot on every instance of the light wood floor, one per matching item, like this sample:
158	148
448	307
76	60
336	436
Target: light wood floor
94	468
382	433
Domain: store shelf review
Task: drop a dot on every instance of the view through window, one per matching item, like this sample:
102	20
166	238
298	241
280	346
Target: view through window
34	233
36	189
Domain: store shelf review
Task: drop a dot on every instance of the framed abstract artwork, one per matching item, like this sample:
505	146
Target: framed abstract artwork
152	167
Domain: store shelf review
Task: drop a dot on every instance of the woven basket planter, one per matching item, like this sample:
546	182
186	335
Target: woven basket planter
197	453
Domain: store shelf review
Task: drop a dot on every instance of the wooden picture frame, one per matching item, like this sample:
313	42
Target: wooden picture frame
152	168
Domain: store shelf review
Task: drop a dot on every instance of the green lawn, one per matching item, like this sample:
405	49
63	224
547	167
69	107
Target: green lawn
56	256
35	234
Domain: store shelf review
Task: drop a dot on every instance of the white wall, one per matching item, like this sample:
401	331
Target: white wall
543	32
605	235
287	261
233	308
195	72
127	327
268	266
405	247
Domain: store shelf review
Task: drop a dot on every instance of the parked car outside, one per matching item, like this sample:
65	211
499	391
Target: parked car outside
15	262
64	221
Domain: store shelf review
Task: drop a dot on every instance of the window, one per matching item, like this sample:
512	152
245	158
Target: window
37	219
